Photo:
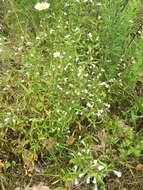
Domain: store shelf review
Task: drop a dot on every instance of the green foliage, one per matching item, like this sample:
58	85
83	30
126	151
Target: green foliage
69	87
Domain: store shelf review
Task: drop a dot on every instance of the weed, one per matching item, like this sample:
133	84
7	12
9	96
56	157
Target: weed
71	91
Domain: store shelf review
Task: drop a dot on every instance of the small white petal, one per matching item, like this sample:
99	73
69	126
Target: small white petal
81	175
89	35
75	167
79	154
117	173
94	180
57	54
95	162
100	167
76	182
88	180
89	105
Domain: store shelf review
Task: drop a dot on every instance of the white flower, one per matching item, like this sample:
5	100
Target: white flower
67	36
6	119
42	6
99	100
81	175
77	59
76	182
100	167
94	180
99	17
75	167
95	184
38	38
79	154
88	180
51	31
107	105
95	162
89	35
57	54
76	29
117	173
89	105
79	137
83	142
99	112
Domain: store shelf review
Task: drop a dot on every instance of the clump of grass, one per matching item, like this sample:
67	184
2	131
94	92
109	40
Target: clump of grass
70	99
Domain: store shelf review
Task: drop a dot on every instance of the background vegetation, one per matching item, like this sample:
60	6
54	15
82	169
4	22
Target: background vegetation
71	104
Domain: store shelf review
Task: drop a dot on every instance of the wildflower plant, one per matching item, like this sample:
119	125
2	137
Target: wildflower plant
71	91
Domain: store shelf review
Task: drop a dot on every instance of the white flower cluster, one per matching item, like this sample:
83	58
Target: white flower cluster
42	6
